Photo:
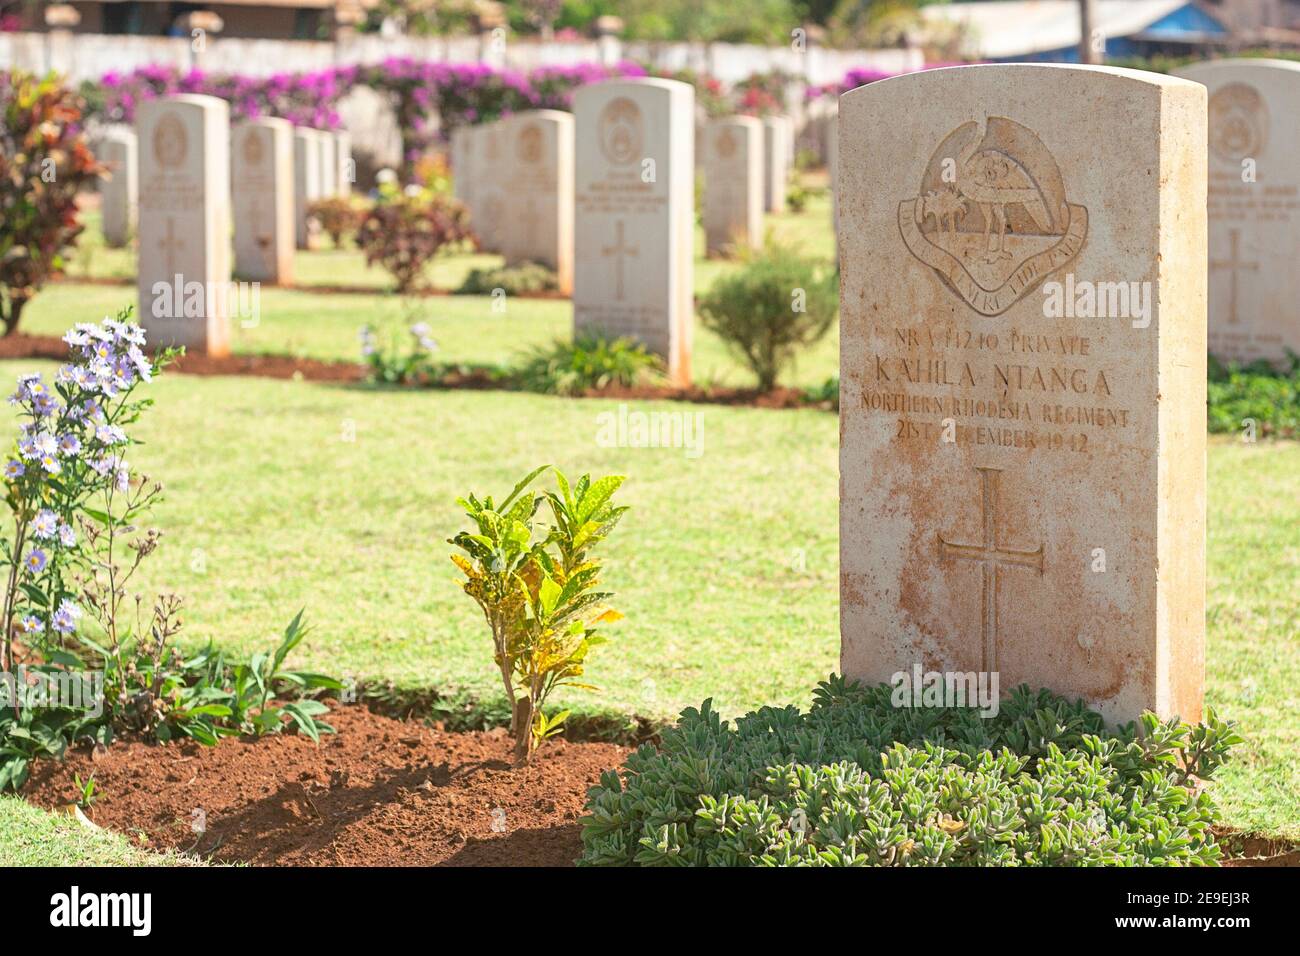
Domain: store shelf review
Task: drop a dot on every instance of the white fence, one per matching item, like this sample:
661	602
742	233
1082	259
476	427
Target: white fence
88	56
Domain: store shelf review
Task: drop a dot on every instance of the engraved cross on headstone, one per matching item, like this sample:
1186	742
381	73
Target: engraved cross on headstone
169	245
621	250
991	556
1234	265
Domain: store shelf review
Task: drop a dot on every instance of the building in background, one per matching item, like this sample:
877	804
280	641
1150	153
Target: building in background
241	19
1009	31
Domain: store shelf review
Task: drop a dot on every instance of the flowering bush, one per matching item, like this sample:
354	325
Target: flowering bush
762	94
430	99
403	234
339	216
70	557
44	163
68	466
305	99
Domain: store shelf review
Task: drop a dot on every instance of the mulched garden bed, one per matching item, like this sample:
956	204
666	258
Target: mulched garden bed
316	370
327	289
379	792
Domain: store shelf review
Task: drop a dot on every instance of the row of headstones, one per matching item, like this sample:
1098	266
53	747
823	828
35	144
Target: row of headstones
1028	257
276	171
516	176
1025	269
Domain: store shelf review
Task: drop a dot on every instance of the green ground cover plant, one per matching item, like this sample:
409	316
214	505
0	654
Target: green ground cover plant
588	362
857	781
1258	400
523	279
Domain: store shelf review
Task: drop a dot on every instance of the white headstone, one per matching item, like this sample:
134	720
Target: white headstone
1254	149
539	202
1023	383
184	257
347	170
488	218
778	140
733	184
262	190
119	194
463	140
306	181
634	215
329	164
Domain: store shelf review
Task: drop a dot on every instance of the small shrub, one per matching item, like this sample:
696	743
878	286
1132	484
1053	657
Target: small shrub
1259	393
44	163
412	360
404	233
588	362
69	559
797	196
523	279
856	781
538	590
339	216
827	393
777	304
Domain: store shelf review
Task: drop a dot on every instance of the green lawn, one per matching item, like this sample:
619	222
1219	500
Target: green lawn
726	566
324	325
284	495
30	836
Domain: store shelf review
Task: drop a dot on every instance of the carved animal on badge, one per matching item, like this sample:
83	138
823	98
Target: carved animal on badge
993	180
946	206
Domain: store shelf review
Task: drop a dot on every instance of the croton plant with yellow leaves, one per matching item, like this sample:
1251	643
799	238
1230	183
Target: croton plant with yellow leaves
539	589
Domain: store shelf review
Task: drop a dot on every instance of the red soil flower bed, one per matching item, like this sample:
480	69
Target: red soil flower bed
379	792
316	370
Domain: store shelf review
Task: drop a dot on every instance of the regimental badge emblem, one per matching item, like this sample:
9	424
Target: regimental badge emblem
254	148
992	219
529	145
170	141
725	144
621	131
1238	122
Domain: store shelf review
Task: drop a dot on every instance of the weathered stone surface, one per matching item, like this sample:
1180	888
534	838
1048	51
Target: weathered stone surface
262	192
1254	150
539	202
1023	478
635	217
733	184
184	258
119	193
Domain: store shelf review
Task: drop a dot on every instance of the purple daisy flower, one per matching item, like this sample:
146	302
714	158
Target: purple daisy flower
65	618
46	524
35	561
